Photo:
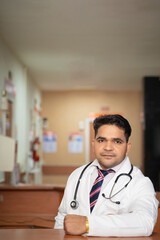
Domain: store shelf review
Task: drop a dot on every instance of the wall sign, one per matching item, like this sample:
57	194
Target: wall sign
75	143
49	142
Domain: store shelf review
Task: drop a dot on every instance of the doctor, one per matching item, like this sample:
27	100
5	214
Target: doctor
117	202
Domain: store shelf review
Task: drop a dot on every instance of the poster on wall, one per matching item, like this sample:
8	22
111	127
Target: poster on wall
10	87
75	143
49	142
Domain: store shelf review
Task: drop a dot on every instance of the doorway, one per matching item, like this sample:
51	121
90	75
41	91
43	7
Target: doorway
9	119
89	137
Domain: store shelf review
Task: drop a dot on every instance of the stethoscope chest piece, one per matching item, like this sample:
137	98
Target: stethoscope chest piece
74	204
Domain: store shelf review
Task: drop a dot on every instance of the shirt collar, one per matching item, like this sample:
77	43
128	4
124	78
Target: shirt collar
116	168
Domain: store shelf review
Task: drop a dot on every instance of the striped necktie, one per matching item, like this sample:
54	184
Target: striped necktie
96	188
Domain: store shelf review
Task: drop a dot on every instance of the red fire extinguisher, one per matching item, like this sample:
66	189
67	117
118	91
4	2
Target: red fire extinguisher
35	149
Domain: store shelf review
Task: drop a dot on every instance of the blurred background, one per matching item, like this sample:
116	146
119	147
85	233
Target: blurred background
63	63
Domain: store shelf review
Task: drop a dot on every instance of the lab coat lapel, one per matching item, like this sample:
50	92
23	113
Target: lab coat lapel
85	185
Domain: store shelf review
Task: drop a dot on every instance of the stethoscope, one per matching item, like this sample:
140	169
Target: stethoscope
74	204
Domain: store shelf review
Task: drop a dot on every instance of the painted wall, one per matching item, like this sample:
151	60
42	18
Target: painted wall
26	93
64	110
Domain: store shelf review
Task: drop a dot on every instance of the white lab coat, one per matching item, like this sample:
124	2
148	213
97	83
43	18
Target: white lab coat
136	214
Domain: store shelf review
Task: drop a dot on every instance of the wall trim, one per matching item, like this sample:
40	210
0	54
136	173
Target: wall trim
58	170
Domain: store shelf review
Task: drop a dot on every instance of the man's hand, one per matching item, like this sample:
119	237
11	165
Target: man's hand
75	224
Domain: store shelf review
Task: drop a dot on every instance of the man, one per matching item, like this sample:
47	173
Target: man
117	202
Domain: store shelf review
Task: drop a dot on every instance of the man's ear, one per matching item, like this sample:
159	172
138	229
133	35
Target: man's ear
93	144
128	148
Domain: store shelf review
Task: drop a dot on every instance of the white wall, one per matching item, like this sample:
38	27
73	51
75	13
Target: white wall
27	92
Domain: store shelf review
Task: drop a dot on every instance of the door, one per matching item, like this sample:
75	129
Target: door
9	119
91	137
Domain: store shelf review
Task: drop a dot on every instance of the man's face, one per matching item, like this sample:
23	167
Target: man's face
110	146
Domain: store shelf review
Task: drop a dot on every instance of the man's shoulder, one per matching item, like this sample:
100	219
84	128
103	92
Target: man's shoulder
137	171
79	169
139	177
75	175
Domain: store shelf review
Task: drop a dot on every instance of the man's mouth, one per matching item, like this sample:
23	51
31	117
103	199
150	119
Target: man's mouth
107	155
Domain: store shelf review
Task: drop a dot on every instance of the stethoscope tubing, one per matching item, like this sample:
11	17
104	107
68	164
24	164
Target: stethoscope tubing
74	204
120	175
79	179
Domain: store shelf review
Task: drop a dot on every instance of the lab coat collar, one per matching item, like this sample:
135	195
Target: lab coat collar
125	164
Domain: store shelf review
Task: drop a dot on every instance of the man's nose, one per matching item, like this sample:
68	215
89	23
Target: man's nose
108	146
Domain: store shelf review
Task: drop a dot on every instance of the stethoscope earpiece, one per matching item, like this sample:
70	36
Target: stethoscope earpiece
110	198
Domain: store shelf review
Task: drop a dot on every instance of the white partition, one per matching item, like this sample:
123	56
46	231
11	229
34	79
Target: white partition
7	153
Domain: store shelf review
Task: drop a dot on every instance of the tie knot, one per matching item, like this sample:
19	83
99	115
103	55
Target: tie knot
103	173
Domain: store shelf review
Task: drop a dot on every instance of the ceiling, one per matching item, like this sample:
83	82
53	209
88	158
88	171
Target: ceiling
84	44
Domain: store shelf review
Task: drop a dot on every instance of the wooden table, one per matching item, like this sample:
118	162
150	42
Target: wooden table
52	234
34	206
28	206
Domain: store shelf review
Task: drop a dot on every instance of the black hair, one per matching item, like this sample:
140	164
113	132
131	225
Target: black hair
117	120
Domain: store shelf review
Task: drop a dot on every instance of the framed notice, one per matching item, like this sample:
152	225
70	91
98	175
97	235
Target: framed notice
75	142
49	142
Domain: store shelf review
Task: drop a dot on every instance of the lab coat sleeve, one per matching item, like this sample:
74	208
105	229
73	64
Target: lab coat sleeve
138	221
59	219
63	208
62	212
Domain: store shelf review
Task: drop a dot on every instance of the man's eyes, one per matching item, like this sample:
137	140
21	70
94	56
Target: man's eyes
114	141
118	141
100	140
